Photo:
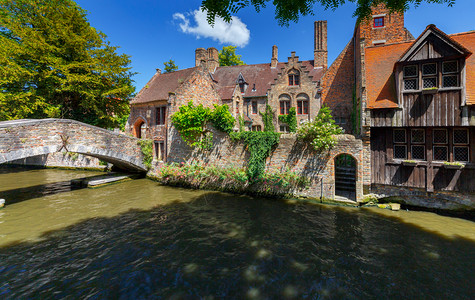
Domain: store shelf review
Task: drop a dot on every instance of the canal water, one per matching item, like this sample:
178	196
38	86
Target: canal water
139	240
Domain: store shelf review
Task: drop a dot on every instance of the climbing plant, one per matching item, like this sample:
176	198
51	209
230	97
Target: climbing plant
290	119
259	144
146	146
320	132
355	114
268	119
191	121
241	123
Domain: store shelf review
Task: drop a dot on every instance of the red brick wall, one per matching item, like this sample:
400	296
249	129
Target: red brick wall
337	85
393	30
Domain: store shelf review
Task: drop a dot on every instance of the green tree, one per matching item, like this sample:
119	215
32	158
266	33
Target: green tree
54	64
286	11
228	57
170	66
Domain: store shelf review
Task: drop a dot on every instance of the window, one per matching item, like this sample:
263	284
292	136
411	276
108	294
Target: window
418	151
450	74
294	77
378	22
254	107
461	145
237	107
284	107
340	121
410	78
440	148
161	113
302	104
160	153
284	128
256	128
399	139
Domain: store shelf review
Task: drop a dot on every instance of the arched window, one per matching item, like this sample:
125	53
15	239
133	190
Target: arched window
302	104
294	77
284	102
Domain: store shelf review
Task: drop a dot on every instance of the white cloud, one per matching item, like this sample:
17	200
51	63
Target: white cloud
234	33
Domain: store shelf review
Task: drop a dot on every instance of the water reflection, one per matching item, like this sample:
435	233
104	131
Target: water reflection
144	241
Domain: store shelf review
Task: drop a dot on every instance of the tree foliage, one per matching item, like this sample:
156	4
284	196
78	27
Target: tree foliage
289	11
54	64
170	66
228	57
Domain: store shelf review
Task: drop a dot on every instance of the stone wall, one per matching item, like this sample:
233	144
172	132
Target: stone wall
25	138
290	154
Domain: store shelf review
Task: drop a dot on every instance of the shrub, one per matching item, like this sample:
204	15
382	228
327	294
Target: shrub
319	133
290	119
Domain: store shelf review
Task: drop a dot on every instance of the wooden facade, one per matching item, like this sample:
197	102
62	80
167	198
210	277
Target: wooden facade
426	142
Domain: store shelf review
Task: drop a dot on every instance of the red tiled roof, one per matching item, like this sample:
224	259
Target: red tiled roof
379	62
467	39
160	85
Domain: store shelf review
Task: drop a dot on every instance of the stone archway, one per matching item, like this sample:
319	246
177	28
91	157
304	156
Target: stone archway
345	176
139	128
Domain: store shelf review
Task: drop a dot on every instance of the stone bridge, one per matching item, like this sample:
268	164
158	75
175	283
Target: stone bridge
25	138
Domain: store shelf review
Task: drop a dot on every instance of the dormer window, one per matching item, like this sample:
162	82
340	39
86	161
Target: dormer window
294	77
378	22
429	76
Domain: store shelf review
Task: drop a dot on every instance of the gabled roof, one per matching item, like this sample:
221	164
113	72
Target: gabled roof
433	40
160	85
381	60
259	78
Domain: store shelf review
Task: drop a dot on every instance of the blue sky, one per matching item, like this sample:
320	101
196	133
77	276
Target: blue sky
150	32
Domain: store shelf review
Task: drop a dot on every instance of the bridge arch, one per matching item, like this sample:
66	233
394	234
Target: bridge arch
25	138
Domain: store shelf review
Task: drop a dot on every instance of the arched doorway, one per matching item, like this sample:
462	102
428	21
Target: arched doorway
345	176
139	128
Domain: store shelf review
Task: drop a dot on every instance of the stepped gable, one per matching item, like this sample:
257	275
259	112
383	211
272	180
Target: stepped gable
161	85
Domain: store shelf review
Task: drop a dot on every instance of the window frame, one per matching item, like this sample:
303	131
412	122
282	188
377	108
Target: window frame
399	143
294	77
254	107
284	109
302	106
161	115
376	23
160	150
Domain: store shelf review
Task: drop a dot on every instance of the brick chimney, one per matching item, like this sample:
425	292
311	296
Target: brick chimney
201	57
320	51
274	60
213	59
158	71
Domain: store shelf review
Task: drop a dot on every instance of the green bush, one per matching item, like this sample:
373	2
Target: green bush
191	121
319	133
146	146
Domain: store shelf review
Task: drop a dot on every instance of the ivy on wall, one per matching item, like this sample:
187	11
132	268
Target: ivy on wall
259	144
290	119
146	146
268	119
320	132
191	122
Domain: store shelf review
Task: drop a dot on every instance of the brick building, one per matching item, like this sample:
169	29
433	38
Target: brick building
406	99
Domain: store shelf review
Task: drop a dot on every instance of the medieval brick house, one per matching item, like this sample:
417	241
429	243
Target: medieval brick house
410	101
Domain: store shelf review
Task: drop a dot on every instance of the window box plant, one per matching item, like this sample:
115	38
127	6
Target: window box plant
453	165
428	91
409	163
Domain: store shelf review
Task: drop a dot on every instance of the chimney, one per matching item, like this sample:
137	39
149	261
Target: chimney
274	60
320	53
158	71
213	59
200	57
